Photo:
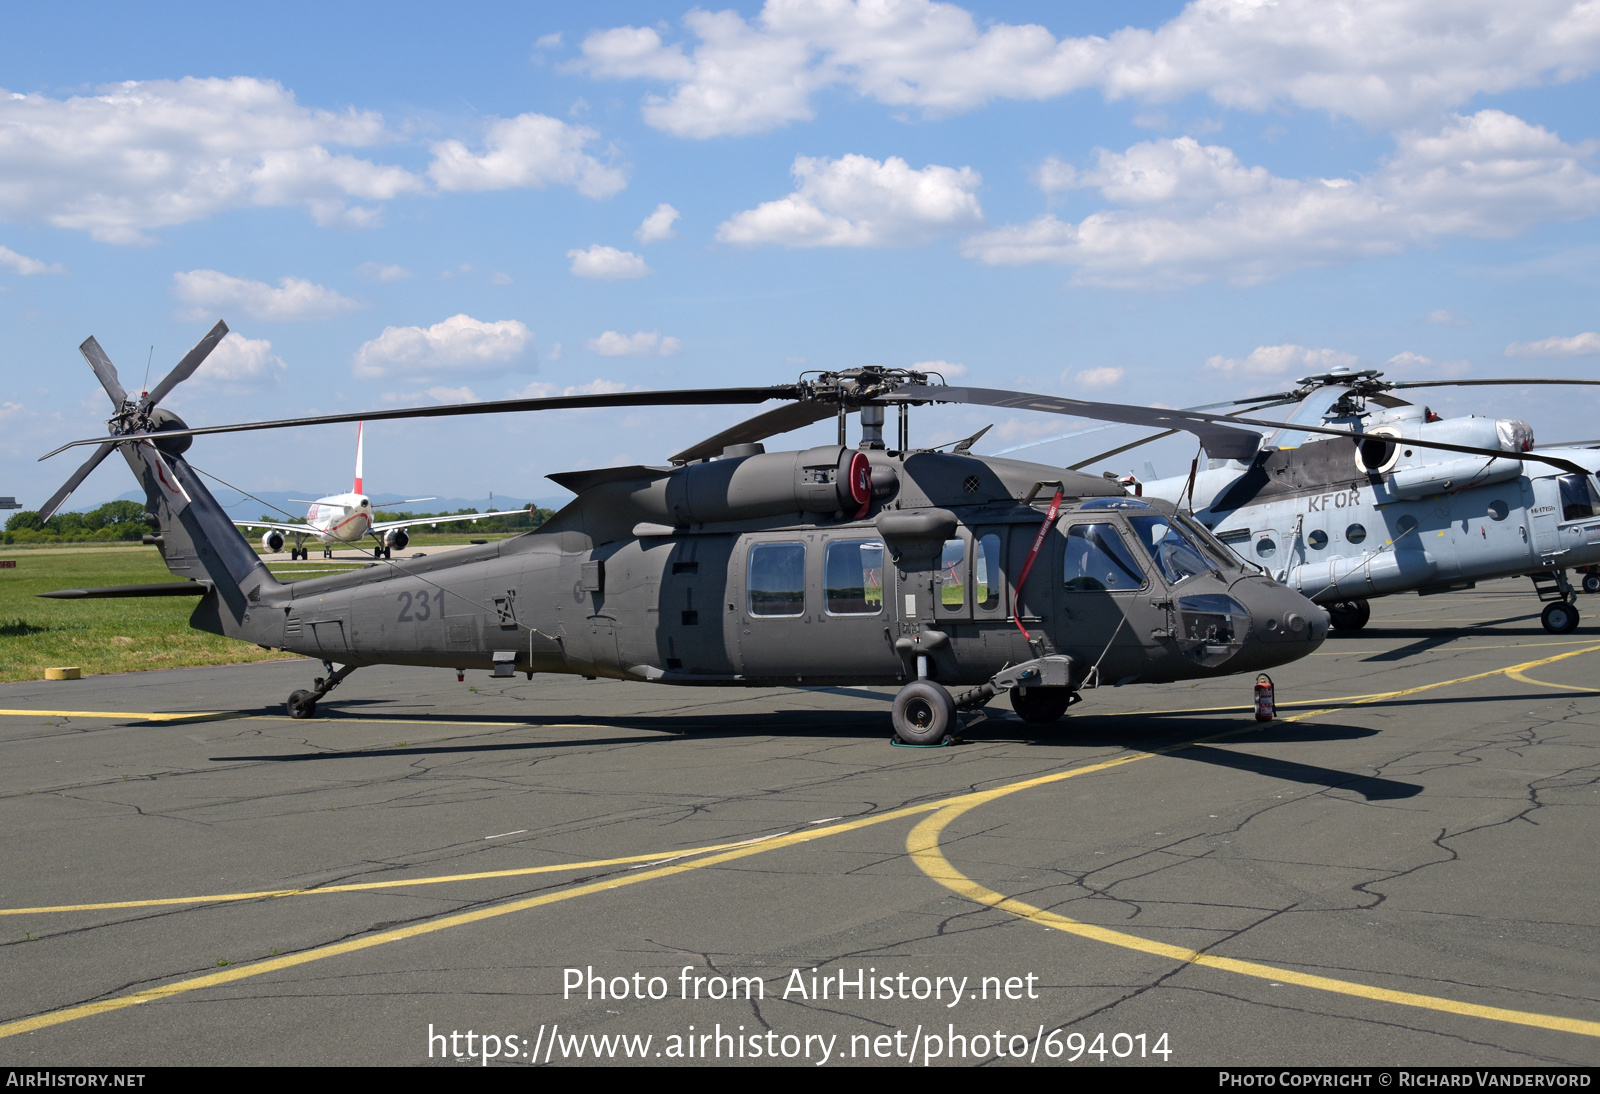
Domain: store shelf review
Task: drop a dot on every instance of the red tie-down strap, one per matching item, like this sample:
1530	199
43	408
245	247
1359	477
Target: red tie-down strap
1038	542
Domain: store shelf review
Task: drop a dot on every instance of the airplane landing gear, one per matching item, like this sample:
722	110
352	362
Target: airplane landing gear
924	713
1560	617
303	704
1349	615
1591	583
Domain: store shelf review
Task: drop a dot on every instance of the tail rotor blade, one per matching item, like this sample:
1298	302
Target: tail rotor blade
186	367
104	370
51	507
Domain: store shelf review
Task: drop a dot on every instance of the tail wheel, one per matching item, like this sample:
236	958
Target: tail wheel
1349	615
1560	617
924	713
1040	706
301	704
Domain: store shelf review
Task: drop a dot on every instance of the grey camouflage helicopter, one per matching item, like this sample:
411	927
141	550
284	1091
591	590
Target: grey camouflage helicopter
734	566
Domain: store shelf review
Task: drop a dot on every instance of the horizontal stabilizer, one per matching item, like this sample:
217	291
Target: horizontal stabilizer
165	588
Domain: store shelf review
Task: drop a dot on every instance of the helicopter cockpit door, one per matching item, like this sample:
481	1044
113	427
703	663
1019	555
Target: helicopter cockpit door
1543	499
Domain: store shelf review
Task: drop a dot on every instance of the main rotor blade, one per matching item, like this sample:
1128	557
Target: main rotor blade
1081	464
185	368
1487	383
50	507
1223	442
698	397
1281	399
778	420
1525	457
104	371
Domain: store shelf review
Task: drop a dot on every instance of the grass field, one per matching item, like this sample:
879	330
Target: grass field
122	635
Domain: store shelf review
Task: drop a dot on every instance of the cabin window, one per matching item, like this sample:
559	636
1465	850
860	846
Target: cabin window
1578	498
1317	539
1407	524
952	575
986	572
1355	533
777	579
1098	561
1499	510
1266	547
853	577
1170	548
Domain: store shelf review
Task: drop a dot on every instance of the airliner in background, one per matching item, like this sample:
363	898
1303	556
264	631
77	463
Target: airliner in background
347	518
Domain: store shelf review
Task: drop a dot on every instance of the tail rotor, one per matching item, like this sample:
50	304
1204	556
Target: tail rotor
132	417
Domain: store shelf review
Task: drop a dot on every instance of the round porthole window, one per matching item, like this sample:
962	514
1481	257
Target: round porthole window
1407	525
1317	539
1355	533
1265	547
1499	510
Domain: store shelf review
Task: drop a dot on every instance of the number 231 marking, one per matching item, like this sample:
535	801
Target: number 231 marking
420	603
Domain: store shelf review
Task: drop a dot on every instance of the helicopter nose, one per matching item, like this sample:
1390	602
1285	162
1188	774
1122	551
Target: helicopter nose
1283	624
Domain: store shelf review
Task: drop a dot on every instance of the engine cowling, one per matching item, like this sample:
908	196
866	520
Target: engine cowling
819	480
272	541
395	539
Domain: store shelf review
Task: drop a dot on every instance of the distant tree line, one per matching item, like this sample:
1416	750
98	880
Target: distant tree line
113	521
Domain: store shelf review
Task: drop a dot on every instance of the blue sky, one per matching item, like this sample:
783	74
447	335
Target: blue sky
396	205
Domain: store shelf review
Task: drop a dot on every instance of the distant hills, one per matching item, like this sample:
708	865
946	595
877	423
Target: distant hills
244	508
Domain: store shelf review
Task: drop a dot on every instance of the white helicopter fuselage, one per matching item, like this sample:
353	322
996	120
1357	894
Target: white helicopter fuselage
1326	524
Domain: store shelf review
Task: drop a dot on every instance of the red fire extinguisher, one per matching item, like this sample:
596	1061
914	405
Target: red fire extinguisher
1264	698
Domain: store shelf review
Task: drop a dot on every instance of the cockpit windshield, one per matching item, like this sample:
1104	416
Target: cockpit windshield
1215	549
1170	547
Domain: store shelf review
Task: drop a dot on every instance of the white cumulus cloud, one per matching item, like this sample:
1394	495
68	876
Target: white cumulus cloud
856	201
211	293
539	390
658	225
1192	211
241	362
530	150
460	344
1575	346
377	271
950	370
644	343
1104	376
146	154
1379	61
27	266
1275	360
607	263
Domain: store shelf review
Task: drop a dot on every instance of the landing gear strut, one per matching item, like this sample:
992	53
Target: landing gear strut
303	704
1349	615
1561	600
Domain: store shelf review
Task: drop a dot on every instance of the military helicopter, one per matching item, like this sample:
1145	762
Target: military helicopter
1344	523
731	565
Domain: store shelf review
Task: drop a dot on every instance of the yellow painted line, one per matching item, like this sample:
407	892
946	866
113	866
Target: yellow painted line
923	845
118	714
1515	675
367	886
955	806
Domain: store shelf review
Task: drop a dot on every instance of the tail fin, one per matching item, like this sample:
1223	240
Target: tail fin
199	541
359	426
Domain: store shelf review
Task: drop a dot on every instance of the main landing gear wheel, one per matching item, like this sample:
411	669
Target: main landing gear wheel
924	713
1591	583
1040	706
1560	617
1349	615
302	704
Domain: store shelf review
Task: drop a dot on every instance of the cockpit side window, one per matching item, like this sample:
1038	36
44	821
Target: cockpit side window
1097	560
1579	501
1174	554
1214	548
